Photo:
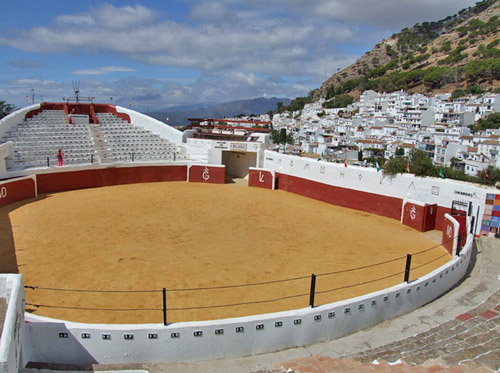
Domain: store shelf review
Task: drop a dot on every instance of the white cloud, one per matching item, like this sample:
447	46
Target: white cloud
109	16
215	11
73	20
103	70
206	46
241	49
388	14
34	82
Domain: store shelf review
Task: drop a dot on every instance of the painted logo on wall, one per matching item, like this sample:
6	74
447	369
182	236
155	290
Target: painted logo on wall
206	174
3	192
449	231
413	212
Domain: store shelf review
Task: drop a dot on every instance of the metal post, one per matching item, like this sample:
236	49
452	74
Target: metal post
164	306
407	268
92	158
48	161
313	290
133	156
459	244
174	156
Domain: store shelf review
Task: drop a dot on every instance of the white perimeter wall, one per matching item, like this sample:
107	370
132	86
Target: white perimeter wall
15	118
405	186
11	289
74	343
6	150
47	340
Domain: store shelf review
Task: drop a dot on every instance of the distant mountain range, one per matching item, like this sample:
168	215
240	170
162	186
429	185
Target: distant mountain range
178	115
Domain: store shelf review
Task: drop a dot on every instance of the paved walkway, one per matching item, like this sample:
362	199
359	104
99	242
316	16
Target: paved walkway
458	332
3	310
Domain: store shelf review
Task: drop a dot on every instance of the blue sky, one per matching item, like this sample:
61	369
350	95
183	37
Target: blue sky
152	55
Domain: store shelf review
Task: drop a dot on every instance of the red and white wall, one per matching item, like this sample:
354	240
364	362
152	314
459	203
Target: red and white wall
59	341
368	190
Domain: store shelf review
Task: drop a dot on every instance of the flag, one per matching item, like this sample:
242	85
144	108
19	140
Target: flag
407	167
441	173
486	174
345	161
377	165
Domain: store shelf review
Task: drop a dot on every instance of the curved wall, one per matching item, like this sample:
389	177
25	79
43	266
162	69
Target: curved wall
366	189
58	341
67	342
14	118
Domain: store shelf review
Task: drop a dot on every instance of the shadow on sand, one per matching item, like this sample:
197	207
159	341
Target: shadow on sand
231	179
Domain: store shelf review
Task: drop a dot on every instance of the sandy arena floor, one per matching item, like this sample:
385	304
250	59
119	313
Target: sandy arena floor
179	235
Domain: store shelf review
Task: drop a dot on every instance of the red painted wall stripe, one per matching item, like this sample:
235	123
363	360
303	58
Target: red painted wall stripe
16	190
440	217
364	201
72	180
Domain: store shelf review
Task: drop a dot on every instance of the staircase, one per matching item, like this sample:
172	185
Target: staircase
100	144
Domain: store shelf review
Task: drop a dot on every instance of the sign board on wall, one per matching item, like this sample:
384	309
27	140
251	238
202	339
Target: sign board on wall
239	147
221	145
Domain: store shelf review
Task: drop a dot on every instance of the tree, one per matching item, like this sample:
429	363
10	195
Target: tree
339	101
400	152
282	137
446	46
489	176
394	166
421	164
5	109
492	121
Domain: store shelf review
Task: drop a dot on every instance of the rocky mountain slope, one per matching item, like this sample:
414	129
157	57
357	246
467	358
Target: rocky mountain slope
458	52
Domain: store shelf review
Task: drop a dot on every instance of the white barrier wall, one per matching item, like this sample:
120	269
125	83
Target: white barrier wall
75	343
405	186
57	341
11	289
6	150
15	118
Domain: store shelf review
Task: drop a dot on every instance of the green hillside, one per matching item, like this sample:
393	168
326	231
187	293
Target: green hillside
460	52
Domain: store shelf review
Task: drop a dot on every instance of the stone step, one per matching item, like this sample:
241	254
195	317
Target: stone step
471	340
326	364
